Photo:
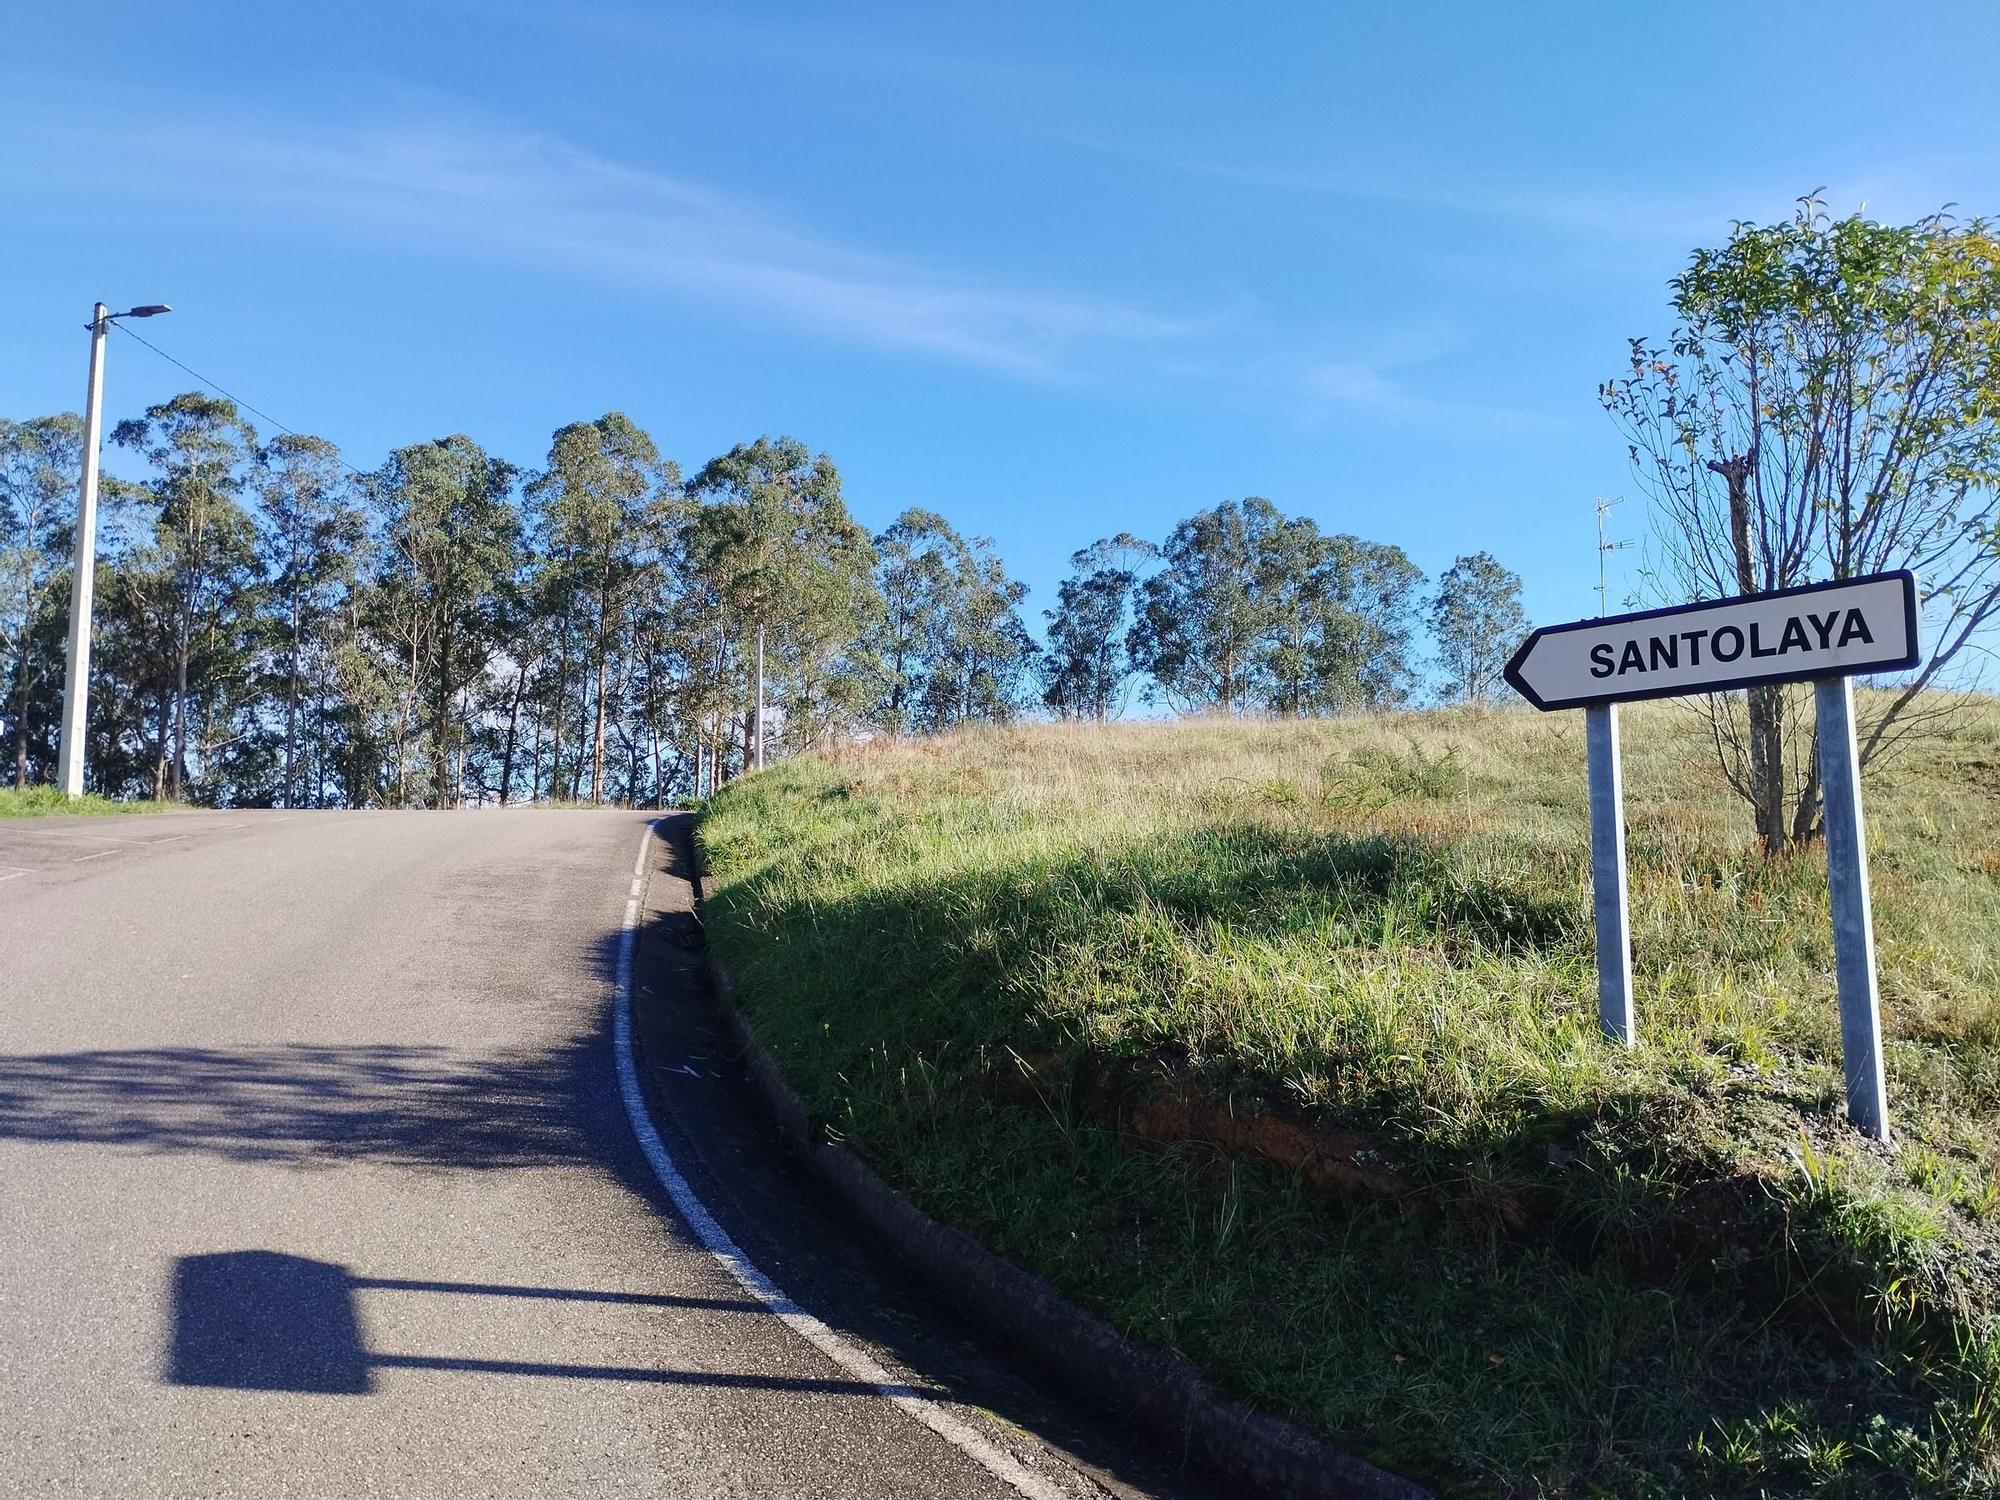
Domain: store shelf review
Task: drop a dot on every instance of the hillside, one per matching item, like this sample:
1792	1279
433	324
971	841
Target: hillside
1277	1043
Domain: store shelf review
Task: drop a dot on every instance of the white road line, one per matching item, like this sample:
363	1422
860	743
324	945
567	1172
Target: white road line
100	854
15	872
105	838
857	1362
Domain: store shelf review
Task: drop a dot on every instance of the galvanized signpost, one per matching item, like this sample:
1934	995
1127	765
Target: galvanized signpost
1825	633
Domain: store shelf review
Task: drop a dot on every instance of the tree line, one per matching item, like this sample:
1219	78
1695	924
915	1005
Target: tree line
275	627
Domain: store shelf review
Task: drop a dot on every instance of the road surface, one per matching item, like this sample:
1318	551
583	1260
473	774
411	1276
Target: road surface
317	1179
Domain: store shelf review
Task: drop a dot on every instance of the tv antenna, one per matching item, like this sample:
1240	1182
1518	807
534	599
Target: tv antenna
1605	545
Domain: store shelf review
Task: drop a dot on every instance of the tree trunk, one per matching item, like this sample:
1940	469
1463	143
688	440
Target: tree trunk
180	709
653	728
461	755
597	741
1765	705
582	735
513	730
21	714
160	744
441	728
292	712
318	798
1808	813
757	759
556	726
603	652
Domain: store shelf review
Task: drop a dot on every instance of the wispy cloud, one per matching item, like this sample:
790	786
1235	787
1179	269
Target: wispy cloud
441	184
1596	211
538	200
1569	208
1393	378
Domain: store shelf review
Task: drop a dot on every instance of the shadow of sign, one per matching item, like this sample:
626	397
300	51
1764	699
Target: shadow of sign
260	1320
257	1320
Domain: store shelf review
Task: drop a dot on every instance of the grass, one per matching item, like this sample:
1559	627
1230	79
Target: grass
41	801
1277	1044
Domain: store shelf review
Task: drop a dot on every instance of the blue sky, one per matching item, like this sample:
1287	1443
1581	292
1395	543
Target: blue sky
1056	271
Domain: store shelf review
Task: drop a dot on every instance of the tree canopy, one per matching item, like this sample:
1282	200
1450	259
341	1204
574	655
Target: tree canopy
1828	406
1252	609
278	627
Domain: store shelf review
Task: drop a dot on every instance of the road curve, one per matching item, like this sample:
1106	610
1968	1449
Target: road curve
316	1180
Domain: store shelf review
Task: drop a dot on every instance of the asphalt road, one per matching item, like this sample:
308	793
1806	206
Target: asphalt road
316	1179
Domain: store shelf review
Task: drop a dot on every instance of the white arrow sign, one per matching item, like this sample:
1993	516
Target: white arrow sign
1822	630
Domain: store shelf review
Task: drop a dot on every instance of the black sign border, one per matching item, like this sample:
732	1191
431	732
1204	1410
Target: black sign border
1512	671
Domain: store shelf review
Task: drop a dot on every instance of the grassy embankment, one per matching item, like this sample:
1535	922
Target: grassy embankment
1277	1044
40	801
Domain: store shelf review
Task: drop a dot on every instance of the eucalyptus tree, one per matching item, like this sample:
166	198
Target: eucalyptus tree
949	646
788	568
662	701
367	725
1476	623
1202	616
313	541
200	450
1087	668
913	573
1340	616
603	507
451	539
1369	661
520	694
1251	609
41	462
1828	406
985	660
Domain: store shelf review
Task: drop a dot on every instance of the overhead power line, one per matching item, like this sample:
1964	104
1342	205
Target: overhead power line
228	395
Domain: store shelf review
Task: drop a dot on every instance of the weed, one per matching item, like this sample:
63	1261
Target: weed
41	801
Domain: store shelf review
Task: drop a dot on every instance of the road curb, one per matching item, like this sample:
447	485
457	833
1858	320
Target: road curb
1160	1390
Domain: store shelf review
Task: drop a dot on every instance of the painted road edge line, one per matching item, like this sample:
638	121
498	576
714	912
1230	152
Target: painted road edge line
850	1357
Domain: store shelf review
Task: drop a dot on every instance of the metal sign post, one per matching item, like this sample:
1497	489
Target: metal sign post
1607	872
1824	633
1853	927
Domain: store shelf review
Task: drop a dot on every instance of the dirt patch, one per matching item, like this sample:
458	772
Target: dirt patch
1337	1161
1156	1106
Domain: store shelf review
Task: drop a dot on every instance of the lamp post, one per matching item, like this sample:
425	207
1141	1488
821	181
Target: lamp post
76	669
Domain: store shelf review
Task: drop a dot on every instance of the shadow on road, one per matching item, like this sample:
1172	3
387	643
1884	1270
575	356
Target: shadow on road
261	1320
306	1106
257	1321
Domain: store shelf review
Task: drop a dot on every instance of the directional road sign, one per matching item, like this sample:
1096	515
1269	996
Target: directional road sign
1823	630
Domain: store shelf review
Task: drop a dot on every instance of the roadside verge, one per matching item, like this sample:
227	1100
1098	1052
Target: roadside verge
1157	1389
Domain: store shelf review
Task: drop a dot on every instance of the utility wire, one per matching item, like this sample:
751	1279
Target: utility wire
211	385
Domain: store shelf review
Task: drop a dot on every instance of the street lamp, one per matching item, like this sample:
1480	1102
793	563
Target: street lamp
76	673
